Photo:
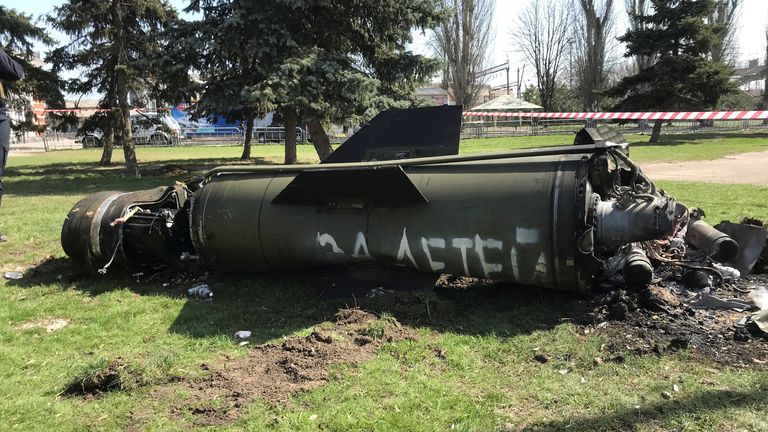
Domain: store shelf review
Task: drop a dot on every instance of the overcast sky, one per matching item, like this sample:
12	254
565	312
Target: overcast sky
751	29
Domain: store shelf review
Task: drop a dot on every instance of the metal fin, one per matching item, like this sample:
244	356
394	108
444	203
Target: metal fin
404	134
351	187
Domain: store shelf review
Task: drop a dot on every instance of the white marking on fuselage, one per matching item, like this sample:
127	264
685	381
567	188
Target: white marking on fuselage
435	243
540	272
326	239
527	235
514	262
481	244
405	250
463	244
361	246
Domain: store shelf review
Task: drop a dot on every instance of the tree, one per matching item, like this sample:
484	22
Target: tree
113	43
566	100
462	41
764	101
18	35
726	14
227	46
635	9
593	31
680	37
542	34
334	60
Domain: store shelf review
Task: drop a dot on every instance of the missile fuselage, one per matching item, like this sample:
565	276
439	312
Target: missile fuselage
541	217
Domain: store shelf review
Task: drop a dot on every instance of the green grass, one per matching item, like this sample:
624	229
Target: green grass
680	147
721	202
484	380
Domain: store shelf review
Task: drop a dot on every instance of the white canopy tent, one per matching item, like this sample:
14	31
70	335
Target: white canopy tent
506	103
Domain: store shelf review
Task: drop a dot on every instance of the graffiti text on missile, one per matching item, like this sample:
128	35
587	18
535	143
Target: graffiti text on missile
436	251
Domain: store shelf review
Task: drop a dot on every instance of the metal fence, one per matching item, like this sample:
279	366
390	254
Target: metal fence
222	135
53	140
265	135
206	135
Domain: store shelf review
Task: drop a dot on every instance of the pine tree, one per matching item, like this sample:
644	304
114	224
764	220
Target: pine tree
18	35
114	43
679	36
311	61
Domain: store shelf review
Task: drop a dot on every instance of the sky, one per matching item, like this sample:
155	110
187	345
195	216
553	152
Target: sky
751	30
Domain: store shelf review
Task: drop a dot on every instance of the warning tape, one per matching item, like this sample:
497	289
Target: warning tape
673	115
685	115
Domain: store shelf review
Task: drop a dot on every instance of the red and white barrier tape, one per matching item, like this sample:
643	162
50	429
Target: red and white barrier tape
688	115
673	115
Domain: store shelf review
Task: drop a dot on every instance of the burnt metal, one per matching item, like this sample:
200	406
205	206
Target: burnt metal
714	243
89	237
619	224
751	240
637	270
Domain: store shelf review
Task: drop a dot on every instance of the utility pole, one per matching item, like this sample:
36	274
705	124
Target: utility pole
495	69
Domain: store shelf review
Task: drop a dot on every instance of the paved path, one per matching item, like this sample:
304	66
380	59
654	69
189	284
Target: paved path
744	168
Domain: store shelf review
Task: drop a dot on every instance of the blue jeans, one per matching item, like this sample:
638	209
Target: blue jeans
5	136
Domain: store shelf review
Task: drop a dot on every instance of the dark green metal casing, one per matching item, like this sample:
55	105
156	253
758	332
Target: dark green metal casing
515	219
544	217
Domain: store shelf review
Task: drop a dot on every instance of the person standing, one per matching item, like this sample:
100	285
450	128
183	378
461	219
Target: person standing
10	70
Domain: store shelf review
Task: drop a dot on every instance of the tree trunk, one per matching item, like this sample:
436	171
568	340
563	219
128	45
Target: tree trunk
248	135
108	141
289	121
319	139
124	114
656	131
129	148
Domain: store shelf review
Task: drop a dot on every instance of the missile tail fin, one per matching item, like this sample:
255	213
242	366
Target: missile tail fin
404	134
354	187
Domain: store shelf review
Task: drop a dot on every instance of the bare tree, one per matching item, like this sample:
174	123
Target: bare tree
463	42
726	13
636	8
542	35
765	69
593	31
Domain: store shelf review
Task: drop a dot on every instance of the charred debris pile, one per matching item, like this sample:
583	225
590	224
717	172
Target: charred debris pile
707	291
396	196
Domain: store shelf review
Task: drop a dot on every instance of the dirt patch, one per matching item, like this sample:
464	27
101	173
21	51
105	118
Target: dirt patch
744	168
168	170
49	324
94	383
661	319
273	372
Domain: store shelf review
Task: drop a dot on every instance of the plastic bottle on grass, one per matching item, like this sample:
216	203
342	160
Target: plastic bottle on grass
201	292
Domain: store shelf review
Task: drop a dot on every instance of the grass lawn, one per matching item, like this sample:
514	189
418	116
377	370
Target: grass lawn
677	147
470	368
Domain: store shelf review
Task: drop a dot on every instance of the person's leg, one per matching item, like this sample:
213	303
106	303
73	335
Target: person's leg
5	135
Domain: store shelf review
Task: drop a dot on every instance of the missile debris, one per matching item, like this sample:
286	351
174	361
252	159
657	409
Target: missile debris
550	217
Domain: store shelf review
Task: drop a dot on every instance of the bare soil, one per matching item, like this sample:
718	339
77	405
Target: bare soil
49	324
744	168
95	385
273	372
660	319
